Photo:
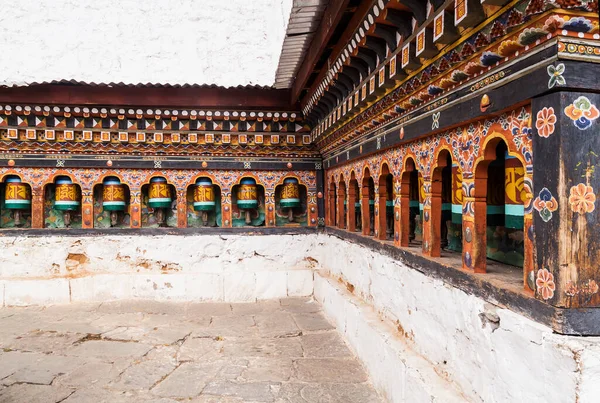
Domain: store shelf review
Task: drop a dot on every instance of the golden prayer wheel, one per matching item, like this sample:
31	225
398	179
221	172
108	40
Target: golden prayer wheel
204	195
66	195
159	194
17	195
247	194
113	194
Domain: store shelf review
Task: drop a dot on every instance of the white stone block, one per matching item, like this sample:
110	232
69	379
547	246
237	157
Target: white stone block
36	292
271	284
102	287
159	287
300	283
204	287
239	287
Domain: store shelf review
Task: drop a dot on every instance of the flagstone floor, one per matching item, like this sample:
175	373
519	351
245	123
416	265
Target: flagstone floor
144	351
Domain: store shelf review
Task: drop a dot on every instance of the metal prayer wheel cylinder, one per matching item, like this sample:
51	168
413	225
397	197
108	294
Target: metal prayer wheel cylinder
66	195
159	193
247	194
113	195
204	195
17	195
290	193
247	197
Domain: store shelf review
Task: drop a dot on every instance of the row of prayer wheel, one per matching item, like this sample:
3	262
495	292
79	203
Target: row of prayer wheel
67	194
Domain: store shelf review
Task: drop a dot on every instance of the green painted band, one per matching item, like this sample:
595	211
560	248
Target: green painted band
247	203
113	207
514	209
159	204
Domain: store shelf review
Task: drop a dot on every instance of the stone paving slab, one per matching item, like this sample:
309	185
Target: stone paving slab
147	351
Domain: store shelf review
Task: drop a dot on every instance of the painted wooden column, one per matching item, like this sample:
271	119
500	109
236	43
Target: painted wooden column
37	207
312	207
135	207
365	212
331	206
269	207
432	217
397	210
474	225
405	210
351	210
87	207
340	209
226	207
380	213
566	190
181	208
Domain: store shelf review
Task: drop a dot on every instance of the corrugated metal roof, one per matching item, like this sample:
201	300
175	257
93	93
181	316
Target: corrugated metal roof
305	18
141	85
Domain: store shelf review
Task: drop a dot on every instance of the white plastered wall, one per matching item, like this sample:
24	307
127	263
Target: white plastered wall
420	339
222	42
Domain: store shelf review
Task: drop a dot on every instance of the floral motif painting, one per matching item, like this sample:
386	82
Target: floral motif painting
545	204
582	198
582	112
545	122
545	284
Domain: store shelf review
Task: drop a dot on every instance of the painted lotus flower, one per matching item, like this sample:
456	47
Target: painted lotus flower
509	48
556	75
545	122
582	198
545	284
545	204
530	35
582	112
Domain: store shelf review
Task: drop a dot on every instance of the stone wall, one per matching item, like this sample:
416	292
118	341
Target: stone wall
395	318
60	269
229	43
419	338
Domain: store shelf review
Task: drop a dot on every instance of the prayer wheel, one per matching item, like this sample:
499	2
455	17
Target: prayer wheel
457	196
66	195
17	195
204	195
113	194
247	195
290	193
514	181
159	193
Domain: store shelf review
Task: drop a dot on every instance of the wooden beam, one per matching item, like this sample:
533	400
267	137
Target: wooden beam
330	19
201	97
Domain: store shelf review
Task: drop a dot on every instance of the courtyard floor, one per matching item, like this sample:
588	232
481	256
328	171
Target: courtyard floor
144	351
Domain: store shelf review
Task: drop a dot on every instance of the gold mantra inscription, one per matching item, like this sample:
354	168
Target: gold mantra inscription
17	191
204	194
246	192
290	191
113	193
159	191
66	193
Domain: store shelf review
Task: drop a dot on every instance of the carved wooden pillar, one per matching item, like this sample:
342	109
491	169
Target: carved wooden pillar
270	207
331	206
87	208
135	208
474	224
37	207
432	206
311	205
365	211
397	210
341	197
405	210
351	211
181	208
380	213
226	206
